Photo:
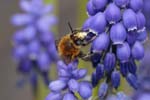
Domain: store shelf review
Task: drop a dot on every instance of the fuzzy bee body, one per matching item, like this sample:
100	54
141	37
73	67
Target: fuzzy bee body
67	49
69	45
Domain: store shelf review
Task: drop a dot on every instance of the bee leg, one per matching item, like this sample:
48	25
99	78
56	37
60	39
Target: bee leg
87	57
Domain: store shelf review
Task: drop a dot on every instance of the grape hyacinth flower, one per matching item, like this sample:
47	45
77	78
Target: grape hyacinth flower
33	44
70	83
121	28
145	11
143	93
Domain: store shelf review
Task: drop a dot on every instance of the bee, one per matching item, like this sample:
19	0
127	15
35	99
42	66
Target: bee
69	46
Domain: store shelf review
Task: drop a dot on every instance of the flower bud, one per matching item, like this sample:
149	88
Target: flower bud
109	62
129	20
98	23
142	36
25	66
122	96
124	68
20	52
57	86
21	19
29	33
87	23
123	52
54	96
131	38
118	33
25	5
73	85
99	71
90	8
138	51
121	3
112	13
79	73
136	5
85	90
101	42
132	80
115	78
132	67
43	61
34	49
69	96
95	59
94	79
99	5
141	21
103	90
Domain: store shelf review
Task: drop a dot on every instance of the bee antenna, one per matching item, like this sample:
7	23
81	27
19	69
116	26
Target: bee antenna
70	27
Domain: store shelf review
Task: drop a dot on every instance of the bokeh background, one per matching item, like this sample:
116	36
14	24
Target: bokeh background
66	10
73	11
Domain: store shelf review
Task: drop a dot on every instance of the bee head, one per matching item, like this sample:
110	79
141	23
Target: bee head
83	37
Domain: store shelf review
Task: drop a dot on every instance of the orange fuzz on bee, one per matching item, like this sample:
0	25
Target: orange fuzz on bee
69	46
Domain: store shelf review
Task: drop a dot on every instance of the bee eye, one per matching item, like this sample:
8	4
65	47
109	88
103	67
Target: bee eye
90	36
78	42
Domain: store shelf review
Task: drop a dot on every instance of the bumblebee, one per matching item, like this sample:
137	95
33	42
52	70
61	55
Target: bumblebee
69	46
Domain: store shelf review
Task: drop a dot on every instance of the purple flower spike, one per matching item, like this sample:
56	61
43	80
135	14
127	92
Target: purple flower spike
109	62
115	78
118	33
123	52
103	90
54	96
73	85
34	42
132	80
112	13
129	20
69	96
99	5
99	71
142	36
121	3
138	51
136	5
57	85
99	23
90	8
101	42
141	21
85	90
